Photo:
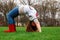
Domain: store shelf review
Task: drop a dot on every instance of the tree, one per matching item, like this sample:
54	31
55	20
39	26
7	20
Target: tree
5	8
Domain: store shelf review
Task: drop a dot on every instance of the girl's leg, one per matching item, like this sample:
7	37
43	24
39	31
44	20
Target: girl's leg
10	19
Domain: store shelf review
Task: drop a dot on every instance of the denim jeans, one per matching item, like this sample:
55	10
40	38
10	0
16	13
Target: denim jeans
11	15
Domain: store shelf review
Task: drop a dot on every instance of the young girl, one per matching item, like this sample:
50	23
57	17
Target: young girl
29	11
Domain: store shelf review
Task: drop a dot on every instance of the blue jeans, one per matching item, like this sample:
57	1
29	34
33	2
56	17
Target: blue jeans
11	15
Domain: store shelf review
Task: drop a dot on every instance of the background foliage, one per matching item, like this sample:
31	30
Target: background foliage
49	12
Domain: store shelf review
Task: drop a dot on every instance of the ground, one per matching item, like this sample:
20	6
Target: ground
48	33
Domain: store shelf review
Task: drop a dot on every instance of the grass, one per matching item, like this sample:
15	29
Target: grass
48	33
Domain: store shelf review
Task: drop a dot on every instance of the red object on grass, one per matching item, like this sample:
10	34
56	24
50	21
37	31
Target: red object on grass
12	28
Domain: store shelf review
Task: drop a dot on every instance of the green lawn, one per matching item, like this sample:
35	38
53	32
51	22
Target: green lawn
48	33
